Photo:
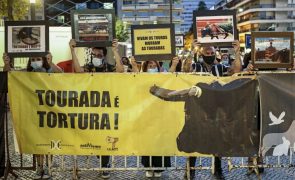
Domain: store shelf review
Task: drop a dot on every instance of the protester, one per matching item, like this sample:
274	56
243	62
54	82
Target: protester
136	66
156	161
247	61
225	60
248	66
151	66
126	64
99	63
36	64
208	63
218	55
178	66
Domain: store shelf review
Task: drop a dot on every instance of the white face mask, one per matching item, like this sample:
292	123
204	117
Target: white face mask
125	68
153	70
201	60
97	62
225	61
37	64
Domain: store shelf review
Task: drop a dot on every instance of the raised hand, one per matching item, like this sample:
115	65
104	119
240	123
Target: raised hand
72	43
6	59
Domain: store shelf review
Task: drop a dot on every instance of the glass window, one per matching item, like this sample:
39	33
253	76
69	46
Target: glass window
262	15
81	6
94	5
126	2
108	5
128	14
143	14
60	19
158	14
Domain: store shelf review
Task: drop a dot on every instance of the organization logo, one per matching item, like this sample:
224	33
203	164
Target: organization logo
113	141
90	146
55	145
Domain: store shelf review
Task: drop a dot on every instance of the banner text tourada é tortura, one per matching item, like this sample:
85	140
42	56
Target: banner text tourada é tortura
98	114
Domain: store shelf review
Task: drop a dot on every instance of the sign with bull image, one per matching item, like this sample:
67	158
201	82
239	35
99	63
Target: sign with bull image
272	49
26	38
93	27
215	26
277	113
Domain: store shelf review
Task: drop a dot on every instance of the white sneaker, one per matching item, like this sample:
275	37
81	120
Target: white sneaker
149	174
38	174
46	173
157	174
105	175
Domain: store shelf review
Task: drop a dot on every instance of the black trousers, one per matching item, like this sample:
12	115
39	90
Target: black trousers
104	161
217	163
156	161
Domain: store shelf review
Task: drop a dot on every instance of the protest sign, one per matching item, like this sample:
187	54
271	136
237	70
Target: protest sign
153	42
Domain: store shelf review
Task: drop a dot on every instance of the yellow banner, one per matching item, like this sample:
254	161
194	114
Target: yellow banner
152	41
98	114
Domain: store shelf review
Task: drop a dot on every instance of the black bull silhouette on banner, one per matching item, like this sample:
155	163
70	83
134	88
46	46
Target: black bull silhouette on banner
219	119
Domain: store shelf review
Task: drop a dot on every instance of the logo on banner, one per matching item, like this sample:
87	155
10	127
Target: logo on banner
90	146
55	145
113	141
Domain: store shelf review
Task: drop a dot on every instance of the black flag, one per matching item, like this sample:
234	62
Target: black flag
277	93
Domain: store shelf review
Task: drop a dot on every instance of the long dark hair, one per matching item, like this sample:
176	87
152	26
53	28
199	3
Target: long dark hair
145	65
45	64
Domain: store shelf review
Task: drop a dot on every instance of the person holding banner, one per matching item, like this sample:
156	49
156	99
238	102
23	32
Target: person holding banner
154	66
36	64
98	63
208	63
151	66
156	161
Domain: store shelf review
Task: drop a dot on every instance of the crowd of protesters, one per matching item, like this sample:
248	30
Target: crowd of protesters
200	59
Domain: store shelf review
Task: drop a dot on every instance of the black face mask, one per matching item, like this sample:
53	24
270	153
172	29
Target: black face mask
209	59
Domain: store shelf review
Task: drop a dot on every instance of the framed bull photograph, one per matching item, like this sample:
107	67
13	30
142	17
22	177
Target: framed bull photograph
153	42
93	27
26	38
272	49
215	27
